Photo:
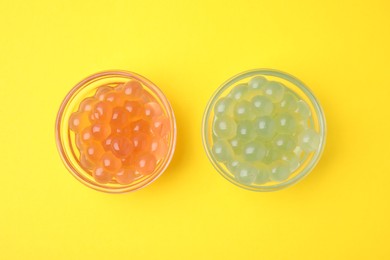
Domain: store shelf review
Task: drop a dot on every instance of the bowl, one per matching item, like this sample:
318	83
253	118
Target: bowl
93	143
263	130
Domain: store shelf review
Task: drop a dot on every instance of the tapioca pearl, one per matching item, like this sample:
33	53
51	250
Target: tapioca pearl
141	142
272	155
274	91
115	98
139	126
224	106
262	106
246	173
87	104
110	162
292	159
309	140
257	83
285	123
86	136
303	110
101	175
263	174
232	166
121	146
222	151
254	151
284	142
119	117
100	131
125	176
302	124
280	171
237	145
298	152
145	163
238	91
289	102
264	127
161	126
158	148
101	112
152	109
243	110
128	162
135	110
85	163
224	127
78	121
94	152
245	131
133	90
102	91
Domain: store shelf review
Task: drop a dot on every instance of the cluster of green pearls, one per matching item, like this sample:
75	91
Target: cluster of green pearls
261	131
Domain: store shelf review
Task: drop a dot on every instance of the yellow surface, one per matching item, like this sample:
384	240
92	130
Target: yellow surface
188	48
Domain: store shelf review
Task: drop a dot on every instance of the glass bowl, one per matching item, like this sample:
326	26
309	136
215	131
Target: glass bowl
66	140
262	173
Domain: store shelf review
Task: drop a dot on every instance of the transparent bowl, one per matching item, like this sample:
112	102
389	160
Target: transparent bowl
316	121
66	139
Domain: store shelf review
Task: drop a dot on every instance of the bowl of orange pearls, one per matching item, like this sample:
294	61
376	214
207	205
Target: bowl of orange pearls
116	131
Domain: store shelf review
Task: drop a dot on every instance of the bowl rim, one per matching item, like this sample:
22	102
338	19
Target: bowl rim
296	82
81	85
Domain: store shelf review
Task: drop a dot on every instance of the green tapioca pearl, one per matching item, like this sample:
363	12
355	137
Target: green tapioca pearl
264	127
245	131
292	159
303	110
237	144
272	155
274	91
262	106
246	173
243	110
222	151
254	151
224	127
224	106
239	91
289	102
280	171
232	165
284	142
285	123
263	174
257	83
309	140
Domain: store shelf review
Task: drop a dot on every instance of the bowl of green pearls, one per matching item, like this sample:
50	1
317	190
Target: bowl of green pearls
263	130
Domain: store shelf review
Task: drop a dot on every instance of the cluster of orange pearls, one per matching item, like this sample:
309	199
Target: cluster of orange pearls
121	133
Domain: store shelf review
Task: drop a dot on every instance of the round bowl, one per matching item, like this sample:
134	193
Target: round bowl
66	140
270	178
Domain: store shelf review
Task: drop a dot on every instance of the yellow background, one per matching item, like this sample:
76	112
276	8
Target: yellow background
340	49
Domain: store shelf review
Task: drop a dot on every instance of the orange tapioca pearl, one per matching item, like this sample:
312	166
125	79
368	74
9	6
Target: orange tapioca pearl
152	109
100	131
107	142
125	176
87	104
110	162
94	152
161	126
102	91
120	117
145	163
85	137
101	175
85	163
135	110
101	112
141	142
115	98
78	121
158	148
121	146
128	161
133	90
139	126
